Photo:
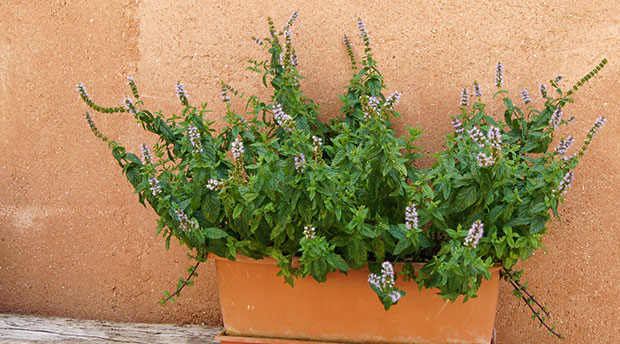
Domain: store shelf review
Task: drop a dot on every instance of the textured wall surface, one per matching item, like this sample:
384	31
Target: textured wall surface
75	242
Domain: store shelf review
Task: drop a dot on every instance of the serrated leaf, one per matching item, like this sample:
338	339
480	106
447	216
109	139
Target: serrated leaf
466	198
402	245
338	262
215	233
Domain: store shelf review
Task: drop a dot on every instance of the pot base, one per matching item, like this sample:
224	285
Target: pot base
226	339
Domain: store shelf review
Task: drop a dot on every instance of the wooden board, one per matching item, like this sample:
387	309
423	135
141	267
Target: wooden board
21	329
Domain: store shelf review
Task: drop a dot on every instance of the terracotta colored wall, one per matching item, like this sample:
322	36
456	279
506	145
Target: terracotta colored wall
75	242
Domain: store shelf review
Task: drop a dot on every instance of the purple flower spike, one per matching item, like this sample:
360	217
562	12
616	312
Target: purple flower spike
475	233
499	74
526	96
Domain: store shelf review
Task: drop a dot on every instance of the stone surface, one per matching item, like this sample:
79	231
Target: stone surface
75	242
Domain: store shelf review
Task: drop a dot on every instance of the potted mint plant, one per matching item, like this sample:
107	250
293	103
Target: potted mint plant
281	192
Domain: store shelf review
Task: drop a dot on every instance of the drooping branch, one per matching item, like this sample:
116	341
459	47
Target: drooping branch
529	299
182	285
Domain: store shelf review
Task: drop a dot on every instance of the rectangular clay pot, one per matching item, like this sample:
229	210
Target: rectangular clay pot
257	303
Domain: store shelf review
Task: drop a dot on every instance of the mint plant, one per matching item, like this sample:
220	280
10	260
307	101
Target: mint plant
344	193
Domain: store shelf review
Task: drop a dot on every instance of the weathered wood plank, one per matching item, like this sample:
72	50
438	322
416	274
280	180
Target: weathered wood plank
20	329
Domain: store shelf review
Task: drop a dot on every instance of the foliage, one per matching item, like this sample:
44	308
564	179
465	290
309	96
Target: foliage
344	193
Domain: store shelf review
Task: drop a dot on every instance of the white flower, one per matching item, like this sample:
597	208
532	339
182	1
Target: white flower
184	222
214	184
282	118
194	138
484	160
392	100
475	233
237	149
411	217
494	137
477	135
180	90
154	186
300	162
309	232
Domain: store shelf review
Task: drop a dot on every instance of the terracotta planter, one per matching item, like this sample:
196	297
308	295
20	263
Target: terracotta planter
258	307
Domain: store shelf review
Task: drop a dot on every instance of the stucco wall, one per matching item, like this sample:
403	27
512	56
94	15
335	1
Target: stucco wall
75	242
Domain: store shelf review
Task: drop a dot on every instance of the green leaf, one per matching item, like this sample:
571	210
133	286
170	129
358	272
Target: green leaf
402	245
368	230
356	254
237	211
338	262
215	233
466	198
538	224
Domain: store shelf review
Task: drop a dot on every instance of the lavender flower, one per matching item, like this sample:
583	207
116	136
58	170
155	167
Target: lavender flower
290	21
499	74
89	120
557	79
132	85
224	93
565	183
347	41
476	231
464	97
131	108
476	135
411	217
495	138
154	186
392	100
567	158
194	139
237	149
556	118
93	127
282	118
484	160
543	91
214	184
564	145
309	232
288	39
300	162
598	124
384	281
458	127
373	102
477	90
184	222
180	90
257	40
363	32
395	296
526	96
366	116
146	154
82	91
294	61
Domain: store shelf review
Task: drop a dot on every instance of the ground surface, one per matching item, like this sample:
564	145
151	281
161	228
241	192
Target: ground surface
75	242
15	329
